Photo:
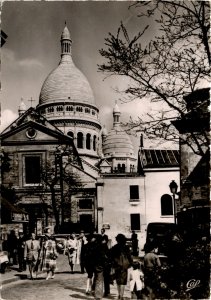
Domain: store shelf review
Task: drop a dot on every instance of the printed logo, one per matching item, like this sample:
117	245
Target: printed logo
192	284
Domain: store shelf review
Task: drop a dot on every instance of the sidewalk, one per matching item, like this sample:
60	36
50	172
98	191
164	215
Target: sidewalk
11	274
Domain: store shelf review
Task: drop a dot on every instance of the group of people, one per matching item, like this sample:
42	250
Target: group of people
102	263
41	255
14	245
74	249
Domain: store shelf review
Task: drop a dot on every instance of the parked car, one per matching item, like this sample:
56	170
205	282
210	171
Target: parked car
4	261
159	234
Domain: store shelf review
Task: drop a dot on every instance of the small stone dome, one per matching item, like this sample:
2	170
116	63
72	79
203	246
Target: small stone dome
65	34
116	109
22	105
118	143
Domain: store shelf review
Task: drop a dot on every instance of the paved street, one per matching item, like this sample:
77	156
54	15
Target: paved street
64	286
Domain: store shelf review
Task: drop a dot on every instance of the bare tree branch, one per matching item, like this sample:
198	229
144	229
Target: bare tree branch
174	63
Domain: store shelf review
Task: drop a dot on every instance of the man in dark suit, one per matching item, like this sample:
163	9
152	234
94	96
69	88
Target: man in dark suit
21	245
104	236
31	253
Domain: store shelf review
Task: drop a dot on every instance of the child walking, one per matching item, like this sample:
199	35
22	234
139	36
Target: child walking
136	279
51	255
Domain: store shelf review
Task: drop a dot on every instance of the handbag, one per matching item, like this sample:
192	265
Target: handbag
124	261
53	256
112	276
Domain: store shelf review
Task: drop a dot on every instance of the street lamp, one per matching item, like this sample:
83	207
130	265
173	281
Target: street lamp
173	188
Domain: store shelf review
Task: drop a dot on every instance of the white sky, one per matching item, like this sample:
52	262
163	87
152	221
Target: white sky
32	50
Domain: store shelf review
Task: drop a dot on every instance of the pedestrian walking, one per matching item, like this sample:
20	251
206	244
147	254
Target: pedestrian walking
134	240
71	247
136	279
152	266
100	258
20	248
89	257
49	255
12	247
121	261
80	250
31	254
107	265
104	235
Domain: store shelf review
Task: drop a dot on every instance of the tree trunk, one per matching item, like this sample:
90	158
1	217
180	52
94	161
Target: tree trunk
55	211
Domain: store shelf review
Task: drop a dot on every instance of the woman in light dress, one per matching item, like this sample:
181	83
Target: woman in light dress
71	250
82	241
50	256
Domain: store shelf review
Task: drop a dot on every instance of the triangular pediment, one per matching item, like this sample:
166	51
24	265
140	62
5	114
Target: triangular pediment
31	115
30	133
31	127
104	163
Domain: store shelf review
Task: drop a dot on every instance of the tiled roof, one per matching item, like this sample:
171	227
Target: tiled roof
159	158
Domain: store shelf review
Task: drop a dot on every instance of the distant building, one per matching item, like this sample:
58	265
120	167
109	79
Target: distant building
122	190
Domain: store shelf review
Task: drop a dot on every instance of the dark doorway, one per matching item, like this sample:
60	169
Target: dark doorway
86	223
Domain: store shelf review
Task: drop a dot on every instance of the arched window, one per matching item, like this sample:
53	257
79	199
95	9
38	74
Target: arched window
59	108
166	205
79	108
123	168
80	140
70	133
94	143
88	139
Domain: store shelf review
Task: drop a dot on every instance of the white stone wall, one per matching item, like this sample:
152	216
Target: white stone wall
157	184
114	197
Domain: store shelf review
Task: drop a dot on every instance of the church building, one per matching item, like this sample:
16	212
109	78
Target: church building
120	190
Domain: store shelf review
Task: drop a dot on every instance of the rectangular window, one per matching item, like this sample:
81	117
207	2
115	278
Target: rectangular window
135	223
32	169
134	192
85	203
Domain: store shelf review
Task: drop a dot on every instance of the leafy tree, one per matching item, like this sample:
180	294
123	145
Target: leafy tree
174	63
60	180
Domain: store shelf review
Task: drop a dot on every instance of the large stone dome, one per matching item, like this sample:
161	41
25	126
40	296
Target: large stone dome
66	82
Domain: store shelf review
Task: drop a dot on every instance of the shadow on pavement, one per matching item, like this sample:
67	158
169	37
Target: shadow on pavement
76	296
21	276
64	272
